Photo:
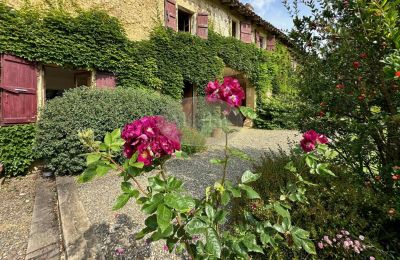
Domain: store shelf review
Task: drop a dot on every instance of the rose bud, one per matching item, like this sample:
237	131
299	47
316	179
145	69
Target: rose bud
340	86
356	65
395	177
361	97
321	113
363	55
397	74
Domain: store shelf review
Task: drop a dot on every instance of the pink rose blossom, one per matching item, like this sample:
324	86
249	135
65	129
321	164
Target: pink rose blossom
310	139
320	245
229	91
371	258
119	251
165	248
151	137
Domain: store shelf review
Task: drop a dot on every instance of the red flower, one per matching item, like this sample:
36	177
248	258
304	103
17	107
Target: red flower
361	97
321	113
356	65
363	55
229	91
396	177
397	74
340	86
310	139
152	137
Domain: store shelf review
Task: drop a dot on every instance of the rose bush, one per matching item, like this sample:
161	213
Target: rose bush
196	226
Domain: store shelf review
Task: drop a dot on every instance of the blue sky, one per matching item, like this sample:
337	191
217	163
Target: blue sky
274	12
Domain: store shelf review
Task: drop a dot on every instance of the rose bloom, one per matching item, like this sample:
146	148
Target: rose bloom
229	92
152	137
397	74
310	139
356	65
340	86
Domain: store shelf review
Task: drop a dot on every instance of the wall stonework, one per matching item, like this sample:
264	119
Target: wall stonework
138	17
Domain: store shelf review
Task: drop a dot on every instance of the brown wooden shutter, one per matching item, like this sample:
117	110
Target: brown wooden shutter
271	42
170	14
245	31
105	80
257	38
18	90
202	25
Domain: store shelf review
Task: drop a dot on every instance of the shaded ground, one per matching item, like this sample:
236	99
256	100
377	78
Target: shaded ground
17	197
115	230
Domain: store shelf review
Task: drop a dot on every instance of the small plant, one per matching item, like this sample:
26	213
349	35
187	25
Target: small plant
196	226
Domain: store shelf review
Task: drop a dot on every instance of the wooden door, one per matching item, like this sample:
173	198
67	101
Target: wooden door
18	86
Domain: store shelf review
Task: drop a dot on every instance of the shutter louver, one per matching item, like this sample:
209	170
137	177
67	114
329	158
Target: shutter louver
258	39
170	14
271	42
105	80
245	32
202	25
18	90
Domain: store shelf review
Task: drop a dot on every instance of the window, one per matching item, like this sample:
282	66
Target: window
184	21
261	42
234	29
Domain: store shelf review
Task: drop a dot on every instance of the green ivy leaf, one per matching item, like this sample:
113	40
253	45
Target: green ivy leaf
250	192
309	246
210	212
281	210
164	216
248	112
249	177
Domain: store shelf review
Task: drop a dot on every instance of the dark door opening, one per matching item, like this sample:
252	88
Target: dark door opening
188	103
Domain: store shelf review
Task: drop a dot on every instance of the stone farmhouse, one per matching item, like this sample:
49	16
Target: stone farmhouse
25	86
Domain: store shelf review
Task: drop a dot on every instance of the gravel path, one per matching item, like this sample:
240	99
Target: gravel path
115	230
17	197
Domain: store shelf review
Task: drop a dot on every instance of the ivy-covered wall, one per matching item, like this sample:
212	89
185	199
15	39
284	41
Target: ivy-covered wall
94	40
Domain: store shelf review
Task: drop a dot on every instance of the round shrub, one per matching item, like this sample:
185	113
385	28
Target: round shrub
102	110
16	144
192	141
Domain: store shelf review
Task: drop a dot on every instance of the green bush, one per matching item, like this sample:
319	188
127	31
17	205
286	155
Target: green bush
192	141
16	144
336	203
101	110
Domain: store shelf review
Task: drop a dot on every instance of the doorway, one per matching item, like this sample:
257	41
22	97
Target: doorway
188	103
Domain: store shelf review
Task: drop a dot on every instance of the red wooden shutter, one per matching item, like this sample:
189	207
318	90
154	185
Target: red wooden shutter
271	42
170	14
257	38
202	25
18	86
245	32
105	80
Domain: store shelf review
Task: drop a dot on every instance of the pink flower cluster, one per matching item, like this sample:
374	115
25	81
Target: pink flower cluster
343	240
311	139
152	137
229	91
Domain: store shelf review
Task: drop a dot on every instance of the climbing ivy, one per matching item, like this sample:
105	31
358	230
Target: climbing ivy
94	40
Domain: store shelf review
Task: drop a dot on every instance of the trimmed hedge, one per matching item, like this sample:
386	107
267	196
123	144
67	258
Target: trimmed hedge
16	144
57	140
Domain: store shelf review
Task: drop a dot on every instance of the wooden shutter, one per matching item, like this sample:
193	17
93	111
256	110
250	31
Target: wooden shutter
257	38
202	25
271	42
245	31
170	14
18	86
105	80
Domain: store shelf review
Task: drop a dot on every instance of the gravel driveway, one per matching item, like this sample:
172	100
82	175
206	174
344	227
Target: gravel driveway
17	197
115	230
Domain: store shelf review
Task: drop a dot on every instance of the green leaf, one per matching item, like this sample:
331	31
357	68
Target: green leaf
92	158
126	186
309	246
250	192
87	175
225	198
179	202
249	177
164	216
217	161
174	184
196	226
150	206
322	168
102	170
248	112
234	152
121	201
281	210
251	243
213	245
220	218
160	235
210	212
108	139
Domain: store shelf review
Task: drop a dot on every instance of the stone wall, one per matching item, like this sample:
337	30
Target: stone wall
138	17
